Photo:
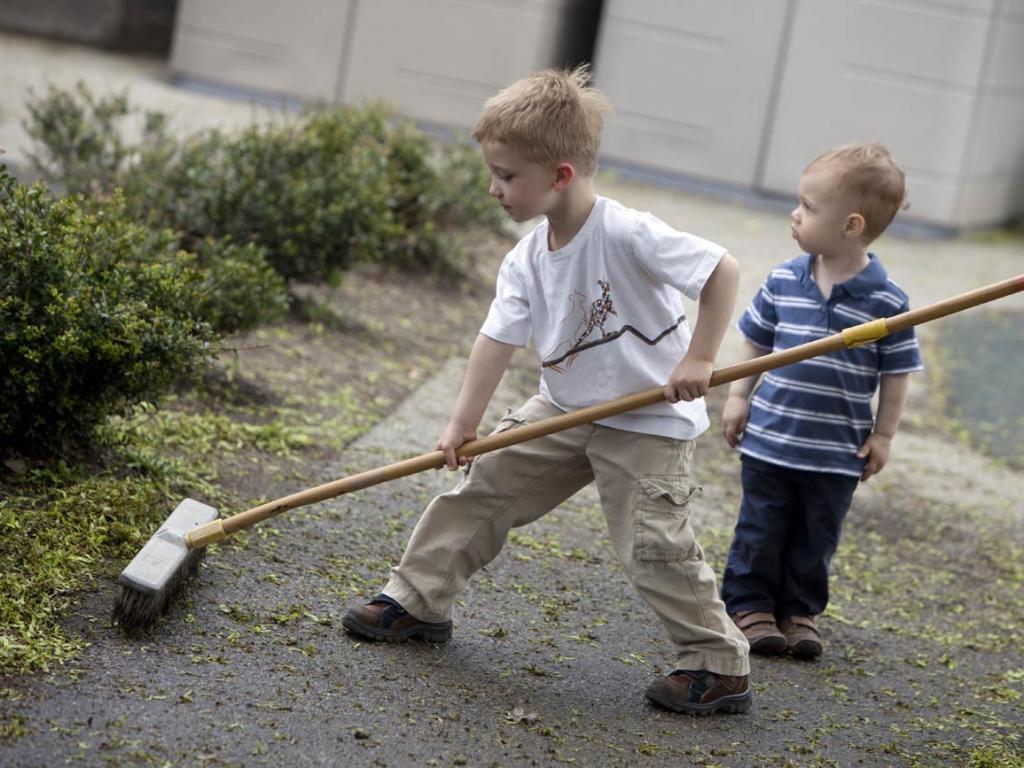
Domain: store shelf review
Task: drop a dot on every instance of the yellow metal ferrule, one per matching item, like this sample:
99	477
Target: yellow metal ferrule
206	534
865	333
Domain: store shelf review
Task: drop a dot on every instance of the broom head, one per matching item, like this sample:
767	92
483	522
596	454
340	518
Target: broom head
160	568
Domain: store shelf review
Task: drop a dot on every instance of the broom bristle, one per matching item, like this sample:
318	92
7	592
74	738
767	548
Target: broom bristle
154	576
137	612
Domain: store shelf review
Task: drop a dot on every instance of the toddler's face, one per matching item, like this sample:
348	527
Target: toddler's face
819	220
524	188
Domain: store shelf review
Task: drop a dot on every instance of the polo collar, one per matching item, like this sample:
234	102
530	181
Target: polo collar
869	279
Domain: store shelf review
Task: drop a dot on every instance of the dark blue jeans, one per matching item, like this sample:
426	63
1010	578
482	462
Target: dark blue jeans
787	532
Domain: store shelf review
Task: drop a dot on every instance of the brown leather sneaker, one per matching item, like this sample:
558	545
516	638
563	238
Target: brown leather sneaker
384	619
699	692
761	631
802	636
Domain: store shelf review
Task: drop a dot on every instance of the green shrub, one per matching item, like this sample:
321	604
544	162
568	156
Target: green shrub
239	290
80	141
332	189
314	210
82	151
96	314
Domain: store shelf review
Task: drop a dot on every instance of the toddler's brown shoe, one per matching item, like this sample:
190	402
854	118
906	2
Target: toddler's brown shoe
761	631
699	692
802	636
384	619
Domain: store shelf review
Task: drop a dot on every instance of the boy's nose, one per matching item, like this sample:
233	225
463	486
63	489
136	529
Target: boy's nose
492	190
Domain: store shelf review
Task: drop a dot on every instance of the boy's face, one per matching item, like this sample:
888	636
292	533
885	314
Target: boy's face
524	188
821	220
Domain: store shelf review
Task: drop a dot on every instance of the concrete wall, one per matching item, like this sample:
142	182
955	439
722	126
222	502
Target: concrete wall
691	82
440	60
993	176
435	60
128	25
919	77
748	93
293	48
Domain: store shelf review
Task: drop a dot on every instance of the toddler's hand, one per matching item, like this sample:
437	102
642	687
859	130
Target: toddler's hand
734	418
451	438
688	381
876	451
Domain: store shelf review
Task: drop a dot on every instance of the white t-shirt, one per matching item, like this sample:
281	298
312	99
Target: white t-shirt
605	312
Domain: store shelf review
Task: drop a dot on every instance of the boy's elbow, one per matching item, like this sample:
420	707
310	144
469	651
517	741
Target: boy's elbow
726	275
728	269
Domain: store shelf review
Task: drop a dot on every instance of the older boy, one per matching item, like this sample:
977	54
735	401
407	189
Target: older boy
808	435
596	286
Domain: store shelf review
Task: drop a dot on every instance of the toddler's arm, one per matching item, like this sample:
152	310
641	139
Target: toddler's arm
892	396
737	405
488	361
717	299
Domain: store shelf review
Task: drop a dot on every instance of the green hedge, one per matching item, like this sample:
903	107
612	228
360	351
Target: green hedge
328	190
96	313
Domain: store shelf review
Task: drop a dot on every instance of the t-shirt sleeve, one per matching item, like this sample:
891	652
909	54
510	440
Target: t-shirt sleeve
758	322
508	319
679	259
899	352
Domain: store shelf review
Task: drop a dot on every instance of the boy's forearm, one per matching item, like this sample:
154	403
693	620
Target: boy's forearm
743	387
488	361
892	396
717	300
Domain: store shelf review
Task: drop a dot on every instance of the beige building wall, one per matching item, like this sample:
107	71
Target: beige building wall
993	178
440	60
691	82
292	48
940	83
435	60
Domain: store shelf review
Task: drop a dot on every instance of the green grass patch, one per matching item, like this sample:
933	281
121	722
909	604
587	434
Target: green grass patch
62	527
1001	754
53	541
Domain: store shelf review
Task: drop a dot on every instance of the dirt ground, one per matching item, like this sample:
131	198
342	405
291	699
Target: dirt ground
552	649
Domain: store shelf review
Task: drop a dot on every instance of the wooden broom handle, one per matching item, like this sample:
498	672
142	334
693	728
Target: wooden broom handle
858	334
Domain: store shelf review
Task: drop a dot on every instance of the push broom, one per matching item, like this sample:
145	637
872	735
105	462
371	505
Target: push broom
172	555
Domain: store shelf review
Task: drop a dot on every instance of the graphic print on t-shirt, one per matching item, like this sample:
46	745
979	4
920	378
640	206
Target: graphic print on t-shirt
594	317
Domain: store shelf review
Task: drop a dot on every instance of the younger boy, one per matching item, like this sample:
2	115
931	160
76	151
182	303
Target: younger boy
807	436
596	286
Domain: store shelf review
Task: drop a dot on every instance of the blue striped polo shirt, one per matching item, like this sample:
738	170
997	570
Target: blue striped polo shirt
815	415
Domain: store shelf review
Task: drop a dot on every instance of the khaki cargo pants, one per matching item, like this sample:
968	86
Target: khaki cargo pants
645	488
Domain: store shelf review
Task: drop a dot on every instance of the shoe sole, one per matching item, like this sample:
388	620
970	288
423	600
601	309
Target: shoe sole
806	649
367	632
769	645
736	704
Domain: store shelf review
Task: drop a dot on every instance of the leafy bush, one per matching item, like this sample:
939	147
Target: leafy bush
240	290
335	188
82	150
80	137
96	314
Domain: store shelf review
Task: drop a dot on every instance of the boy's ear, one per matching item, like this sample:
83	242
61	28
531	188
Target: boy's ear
854	226
564	174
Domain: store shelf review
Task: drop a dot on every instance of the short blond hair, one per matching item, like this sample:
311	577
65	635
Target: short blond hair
551	116
871	181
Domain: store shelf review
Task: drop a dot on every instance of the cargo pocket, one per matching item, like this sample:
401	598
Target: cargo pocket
663	532
510	420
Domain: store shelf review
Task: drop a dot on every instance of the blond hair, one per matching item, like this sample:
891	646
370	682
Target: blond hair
871	181
550	116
